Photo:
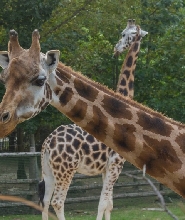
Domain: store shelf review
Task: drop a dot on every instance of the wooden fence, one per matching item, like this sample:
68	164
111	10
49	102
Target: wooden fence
83	188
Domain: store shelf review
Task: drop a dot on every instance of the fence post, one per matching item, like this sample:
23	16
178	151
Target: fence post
33	169
135	180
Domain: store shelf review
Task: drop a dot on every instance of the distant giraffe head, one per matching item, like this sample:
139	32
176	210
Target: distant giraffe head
25	74
128	37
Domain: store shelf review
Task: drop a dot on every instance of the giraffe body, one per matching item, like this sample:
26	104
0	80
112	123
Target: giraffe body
139	134
77	151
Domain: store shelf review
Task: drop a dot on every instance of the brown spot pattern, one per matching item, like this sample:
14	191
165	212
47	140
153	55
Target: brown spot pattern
123	82
66	96
123	91
58	160
62	77
154	124
85	91
41	103
129	61
96	155
48	91
116	108
68	137
53	142
136	45
78	112
103	157
181	142
98	125
59	82
85	148
70	150
57	90
156	154
60	148
54	154
123	137
131	85
64	155
126	73
44	106
88	161
76	143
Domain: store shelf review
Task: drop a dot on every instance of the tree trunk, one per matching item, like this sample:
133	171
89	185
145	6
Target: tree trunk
21	173
12	141
33	169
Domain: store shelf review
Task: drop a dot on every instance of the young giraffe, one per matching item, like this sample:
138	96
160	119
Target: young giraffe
78	151
139	134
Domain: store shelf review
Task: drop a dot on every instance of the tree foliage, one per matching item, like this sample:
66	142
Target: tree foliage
86	31
163	64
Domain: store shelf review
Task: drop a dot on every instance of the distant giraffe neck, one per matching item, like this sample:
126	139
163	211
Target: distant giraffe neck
126	78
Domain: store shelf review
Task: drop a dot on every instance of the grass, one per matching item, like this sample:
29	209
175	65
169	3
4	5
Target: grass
131	213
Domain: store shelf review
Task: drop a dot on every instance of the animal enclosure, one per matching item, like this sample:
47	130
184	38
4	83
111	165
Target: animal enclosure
21	172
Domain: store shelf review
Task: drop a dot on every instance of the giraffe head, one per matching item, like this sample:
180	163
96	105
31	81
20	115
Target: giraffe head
25	73
128	37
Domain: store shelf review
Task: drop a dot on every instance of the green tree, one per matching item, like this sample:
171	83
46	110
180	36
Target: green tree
161	63
86	31
25	16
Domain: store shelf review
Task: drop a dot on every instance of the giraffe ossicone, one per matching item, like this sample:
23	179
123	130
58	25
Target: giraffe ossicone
139	134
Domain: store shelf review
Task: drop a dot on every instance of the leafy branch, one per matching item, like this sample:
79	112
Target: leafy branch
74	14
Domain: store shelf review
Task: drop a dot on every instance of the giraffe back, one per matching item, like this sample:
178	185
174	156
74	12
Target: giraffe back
70	147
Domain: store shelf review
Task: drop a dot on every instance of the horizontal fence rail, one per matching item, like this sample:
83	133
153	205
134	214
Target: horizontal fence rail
83	188
20	154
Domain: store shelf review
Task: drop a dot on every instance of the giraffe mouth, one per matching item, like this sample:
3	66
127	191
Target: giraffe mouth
20	120
6	129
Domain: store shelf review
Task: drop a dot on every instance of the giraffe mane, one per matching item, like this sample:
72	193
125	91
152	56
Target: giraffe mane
110	92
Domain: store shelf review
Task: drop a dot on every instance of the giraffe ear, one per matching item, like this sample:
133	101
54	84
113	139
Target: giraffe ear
4	59
52	59
143	33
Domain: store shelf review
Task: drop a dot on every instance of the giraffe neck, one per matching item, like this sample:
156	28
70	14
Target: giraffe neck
125	84
141	135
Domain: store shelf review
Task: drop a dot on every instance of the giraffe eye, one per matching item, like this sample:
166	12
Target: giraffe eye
39	81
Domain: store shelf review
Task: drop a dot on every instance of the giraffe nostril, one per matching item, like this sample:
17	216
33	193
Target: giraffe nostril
5	117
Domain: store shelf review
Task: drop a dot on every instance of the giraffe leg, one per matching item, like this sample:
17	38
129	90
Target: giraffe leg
60	192
109	178
102	205
49	185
